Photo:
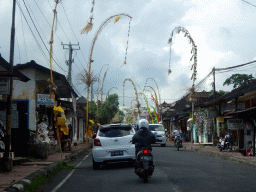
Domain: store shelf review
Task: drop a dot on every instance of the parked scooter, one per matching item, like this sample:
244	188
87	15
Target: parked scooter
144	165
225	143
178	142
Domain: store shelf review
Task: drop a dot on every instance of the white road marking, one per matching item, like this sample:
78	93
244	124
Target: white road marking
69	175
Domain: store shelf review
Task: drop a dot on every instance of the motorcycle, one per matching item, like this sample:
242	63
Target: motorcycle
225	143
144	164
178	142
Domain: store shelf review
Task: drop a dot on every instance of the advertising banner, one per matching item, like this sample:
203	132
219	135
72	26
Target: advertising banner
235	124
44	99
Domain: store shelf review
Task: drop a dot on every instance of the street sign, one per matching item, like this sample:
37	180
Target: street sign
212	113
4	86
235	124
44	99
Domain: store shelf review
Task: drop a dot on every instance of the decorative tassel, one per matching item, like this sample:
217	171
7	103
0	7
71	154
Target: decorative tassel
169	71
88	27
117	18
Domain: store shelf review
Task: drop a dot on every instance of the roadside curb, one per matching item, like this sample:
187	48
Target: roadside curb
223	157
44	172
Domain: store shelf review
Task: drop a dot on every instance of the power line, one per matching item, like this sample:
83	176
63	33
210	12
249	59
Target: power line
40	48
71	27
24	36
69	21
18	46
249	3
45	18
40	36
59	23
228	68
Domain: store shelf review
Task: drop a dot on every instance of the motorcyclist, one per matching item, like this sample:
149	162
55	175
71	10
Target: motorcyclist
143	138
228	137
176	133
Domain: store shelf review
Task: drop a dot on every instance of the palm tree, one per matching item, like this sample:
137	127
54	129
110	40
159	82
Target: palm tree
88	80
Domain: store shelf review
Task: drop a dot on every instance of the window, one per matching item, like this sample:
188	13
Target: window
156	127
115	131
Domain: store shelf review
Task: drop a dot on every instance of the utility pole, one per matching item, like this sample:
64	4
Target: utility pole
8	162
214	91
70	61
215	139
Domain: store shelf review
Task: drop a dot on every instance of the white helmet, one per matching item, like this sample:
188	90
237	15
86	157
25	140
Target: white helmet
143	123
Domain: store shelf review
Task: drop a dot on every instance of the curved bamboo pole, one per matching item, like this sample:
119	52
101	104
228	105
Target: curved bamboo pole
110	90
146	101
156	100
90	61
193	51
157	91
53	94
136	94
105	74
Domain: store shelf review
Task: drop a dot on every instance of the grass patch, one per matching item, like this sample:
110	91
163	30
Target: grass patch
35	183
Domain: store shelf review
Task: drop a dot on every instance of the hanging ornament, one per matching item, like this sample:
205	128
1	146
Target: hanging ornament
89	25
117	18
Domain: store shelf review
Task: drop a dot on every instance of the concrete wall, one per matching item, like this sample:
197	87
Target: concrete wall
27	91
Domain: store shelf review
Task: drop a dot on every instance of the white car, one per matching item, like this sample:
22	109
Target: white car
159	132
113	143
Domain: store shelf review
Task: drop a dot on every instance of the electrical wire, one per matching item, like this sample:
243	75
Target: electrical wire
233	67
59	23
46	19
71	27
41	36
39	46
249	3
24	36
18	46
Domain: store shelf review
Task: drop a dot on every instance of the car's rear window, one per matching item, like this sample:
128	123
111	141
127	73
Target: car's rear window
156	127
115	131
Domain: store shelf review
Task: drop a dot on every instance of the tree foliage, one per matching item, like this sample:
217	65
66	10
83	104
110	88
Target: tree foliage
108	109
92	107
221	92
119	117
238	80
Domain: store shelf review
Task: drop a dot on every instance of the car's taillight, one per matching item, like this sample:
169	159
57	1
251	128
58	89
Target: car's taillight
96	142
145	152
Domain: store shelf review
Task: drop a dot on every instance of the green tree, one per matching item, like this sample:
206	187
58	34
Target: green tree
221	92
119	116
92	107
238	80
109	109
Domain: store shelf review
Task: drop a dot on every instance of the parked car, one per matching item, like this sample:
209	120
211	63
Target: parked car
159	132
113	143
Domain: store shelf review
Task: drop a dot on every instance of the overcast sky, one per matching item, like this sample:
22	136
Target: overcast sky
223	31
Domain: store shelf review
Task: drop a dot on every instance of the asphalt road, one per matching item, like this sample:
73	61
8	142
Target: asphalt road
178	171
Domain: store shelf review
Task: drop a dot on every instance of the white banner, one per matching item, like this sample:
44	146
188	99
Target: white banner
44	99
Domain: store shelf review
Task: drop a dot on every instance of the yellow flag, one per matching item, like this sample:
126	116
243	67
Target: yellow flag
117	18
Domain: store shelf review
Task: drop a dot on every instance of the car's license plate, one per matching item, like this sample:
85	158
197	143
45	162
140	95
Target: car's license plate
117	153
157	140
